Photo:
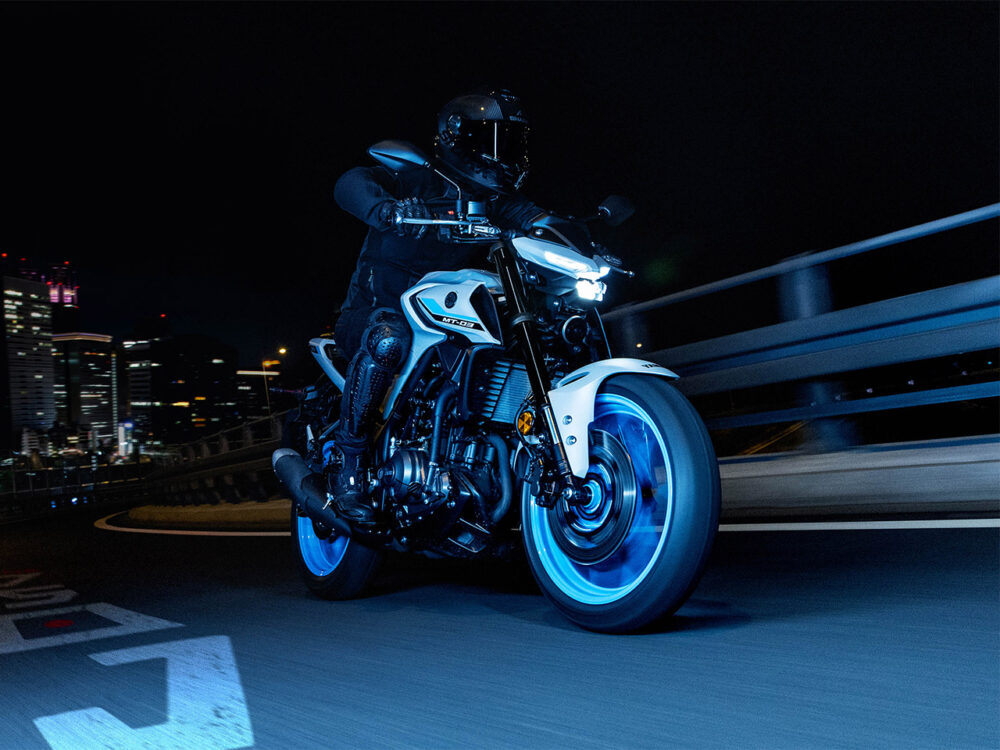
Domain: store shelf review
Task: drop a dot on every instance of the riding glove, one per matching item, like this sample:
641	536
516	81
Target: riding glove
393	212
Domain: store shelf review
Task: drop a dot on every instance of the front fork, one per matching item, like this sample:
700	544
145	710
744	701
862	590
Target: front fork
523	323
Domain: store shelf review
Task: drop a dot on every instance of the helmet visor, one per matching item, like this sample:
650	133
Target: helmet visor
499	142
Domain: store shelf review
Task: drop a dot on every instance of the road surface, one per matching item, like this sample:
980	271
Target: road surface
793	639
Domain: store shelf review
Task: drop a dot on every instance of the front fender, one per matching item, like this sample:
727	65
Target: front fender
573	397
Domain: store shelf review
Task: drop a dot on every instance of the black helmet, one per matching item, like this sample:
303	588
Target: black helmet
484	138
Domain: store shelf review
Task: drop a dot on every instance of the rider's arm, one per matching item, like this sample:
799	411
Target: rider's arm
368	194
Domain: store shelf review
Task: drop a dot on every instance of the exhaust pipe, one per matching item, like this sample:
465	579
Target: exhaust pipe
306	488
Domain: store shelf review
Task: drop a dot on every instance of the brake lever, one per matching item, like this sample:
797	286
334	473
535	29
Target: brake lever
478	228
613	261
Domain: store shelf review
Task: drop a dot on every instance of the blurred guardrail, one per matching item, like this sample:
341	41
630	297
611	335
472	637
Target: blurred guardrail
229	466
27	491
806	353
817	342
233	465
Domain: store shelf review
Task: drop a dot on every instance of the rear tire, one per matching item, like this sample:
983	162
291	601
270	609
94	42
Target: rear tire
332	566
635	553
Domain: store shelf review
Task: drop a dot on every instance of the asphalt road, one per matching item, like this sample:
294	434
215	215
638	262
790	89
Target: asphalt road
815	639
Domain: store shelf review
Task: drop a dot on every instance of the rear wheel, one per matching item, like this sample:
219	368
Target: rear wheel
333	566
634	552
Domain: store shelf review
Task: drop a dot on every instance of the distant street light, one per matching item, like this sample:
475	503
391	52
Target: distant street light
264	365
267	391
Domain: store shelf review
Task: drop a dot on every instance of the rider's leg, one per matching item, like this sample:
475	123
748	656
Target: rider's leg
384	346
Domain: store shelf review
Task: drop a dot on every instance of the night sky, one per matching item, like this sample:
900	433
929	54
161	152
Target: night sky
183	156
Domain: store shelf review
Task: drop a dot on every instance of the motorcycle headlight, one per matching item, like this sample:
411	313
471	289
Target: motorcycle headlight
565	263
591	290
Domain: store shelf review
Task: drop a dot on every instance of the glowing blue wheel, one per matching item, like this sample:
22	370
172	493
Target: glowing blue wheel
320	554
634	550
332	566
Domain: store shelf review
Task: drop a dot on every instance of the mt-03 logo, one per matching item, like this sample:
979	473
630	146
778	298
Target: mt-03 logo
458	322
437	313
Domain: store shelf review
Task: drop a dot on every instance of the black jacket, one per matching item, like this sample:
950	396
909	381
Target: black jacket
390	264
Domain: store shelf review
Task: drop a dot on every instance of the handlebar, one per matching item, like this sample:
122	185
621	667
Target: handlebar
473	228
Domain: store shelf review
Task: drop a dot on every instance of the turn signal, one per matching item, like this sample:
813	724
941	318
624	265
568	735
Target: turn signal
525	421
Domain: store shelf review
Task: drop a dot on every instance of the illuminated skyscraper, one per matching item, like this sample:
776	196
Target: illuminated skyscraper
86	385
26	368
180	387
64	294
253	399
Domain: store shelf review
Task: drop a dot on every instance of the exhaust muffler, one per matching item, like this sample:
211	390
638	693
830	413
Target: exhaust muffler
307	489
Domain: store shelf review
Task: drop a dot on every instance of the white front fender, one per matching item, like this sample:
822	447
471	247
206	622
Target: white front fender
573	397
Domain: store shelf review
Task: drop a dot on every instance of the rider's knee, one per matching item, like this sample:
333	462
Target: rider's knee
387	343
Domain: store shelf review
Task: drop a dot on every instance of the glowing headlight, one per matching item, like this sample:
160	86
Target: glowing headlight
565	263
592	290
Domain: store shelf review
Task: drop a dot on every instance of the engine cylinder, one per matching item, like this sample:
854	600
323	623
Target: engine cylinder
405	474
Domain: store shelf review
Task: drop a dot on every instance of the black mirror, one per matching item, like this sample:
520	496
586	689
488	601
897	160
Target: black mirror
398	154
615	209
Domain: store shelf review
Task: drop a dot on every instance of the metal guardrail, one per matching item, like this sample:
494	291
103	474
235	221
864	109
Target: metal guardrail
32	492
230	465
812	259
941	322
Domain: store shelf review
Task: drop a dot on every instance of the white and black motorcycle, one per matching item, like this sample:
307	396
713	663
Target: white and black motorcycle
510	427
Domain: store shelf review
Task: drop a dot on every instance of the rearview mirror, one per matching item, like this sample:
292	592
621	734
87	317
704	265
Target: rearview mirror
398	154
615	209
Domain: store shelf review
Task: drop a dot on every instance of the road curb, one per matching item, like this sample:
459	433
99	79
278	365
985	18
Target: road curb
269	515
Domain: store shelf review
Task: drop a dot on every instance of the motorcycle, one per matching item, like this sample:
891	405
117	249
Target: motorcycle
510	429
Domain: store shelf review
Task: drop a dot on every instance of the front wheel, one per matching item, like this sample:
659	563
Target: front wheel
634	552
333	566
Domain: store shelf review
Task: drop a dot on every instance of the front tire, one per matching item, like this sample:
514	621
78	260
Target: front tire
331	565
634	553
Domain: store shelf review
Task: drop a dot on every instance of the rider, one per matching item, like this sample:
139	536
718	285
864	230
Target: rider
481	144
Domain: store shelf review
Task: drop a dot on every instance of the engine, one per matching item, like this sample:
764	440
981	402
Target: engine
404	475
455	506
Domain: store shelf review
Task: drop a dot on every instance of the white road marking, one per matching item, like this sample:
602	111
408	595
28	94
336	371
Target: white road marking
103	524
13	580
129	622
948	523
206	707
36	596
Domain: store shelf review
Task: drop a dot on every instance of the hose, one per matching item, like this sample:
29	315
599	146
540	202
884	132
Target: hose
506	478
444	398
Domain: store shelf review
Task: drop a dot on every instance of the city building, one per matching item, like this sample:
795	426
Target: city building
253	396
64	388
26	363
64	296
86	388
180	387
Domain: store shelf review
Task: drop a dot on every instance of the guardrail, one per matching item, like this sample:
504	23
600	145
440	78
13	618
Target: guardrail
29	492
231	465
818	342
